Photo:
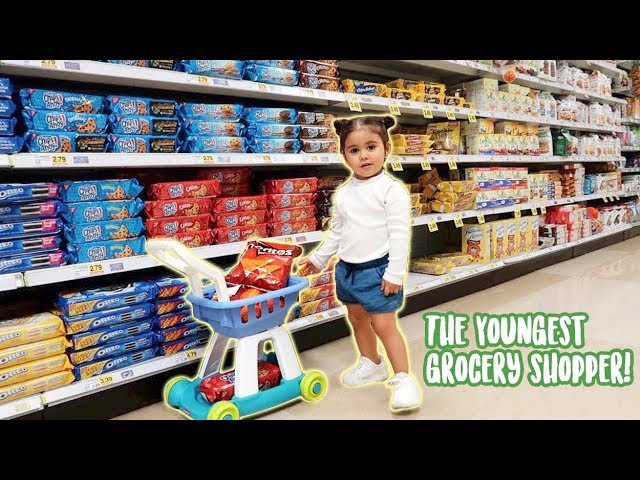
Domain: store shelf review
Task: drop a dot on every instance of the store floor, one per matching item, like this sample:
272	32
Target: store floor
604	283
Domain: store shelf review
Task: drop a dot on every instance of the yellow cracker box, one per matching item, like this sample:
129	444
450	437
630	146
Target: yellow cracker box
509	128
33	351
533	233
476	241
524	234
364	88
512	237
31	328
481	125
35	369
404	140
516	89
415	85
457	186
404	94
498	240
446	136
35	385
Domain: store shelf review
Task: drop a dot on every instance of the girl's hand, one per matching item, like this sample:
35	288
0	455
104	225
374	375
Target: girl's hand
305	267
389	288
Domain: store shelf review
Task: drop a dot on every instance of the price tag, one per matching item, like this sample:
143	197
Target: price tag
480	218
543	210
49	64
314	158
426	112
319	316
425	164
96	269
452	164
606	199
472	117
202	79
448	278
354	104
310	92
432	226
267	158
262	87
105	380
517	213
450	114
394	109
534	211
58	160
191	354
287	239
457	221
207	158
396	166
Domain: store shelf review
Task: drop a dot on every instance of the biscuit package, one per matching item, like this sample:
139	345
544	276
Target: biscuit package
317	293
221	386
237	234
193	239
312	132
30	228
7	126
36	245
35	385
315	67
119	105
82	302
170	226
139	125
235	190
88	212
49	142
273	130
227	112
267	74
291	214
187	189
287	228
208	144
22	193
107	318
273	115
31	328
11	144
291	185
171	305
142	144
288	64
196	341
214	128
33	351
226	176
319	146
177	208
181	331
103	231
98	251
118	332
239	204
316	306
46	120
86	191
114	363
37	368
240	219
174	318
7	108
315	118
112	349
32	261
274	145
294	200
215	68
56	100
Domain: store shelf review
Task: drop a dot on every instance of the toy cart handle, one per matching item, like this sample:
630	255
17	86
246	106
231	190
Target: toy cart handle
181	258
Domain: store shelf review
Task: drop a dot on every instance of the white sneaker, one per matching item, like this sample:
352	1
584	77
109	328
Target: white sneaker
365	372
406	393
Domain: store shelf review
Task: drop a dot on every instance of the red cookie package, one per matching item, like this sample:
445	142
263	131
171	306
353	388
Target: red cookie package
188	189
291	214
235	190
221	386
294	200
291	185
194	239
226	176
287	228
239	204
240	219
162	227
177	208
237	234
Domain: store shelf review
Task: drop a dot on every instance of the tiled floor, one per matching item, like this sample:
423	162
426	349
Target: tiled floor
605	284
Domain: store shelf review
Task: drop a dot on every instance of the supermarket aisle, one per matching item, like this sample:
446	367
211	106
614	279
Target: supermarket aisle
604	284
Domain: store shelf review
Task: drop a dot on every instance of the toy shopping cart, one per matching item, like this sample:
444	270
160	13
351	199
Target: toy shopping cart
252	322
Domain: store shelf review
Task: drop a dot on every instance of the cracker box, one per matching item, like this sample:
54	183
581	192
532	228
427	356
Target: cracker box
534	224
524	234
481	125
476	241
512	237
498	240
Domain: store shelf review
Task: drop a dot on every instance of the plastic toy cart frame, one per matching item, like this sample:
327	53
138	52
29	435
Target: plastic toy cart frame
252	322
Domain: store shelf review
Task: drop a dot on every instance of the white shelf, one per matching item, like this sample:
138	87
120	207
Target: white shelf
317	319
108	267
11	281
630	121
445	159
4	161
600	65
630	149
21	407
447	217
626	92
630	170
626	64
419	282
114	74
120	160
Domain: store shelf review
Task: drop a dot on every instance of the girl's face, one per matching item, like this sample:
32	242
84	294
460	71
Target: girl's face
365	152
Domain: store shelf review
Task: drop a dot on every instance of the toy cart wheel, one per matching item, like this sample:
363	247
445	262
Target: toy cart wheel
174	389
313	386
223	411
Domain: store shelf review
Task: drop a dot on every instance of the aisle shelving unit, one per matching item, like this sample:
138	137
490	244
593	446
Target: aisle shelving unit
514	159
600	65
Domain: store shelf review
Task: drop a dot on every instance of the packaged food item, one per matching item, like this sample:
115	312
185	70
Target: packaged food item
141	125
291	214
50	142
228	112
98	251
31	370
87	212
7	108
288	64
267	74
190	343
175	318
164	64
9	248
317	306
182	331
291	185
6	88
32	261
498	240
193	239
30	328
187	189
240	219
317	293
119	105
235	190
11	144
112	349
294	200
56	100
315	118
226	176
429	266
273	115
213	128
273	130
81	302
215	68
221	386
103	231
446	136
117	332
318	68
107	318
319	146
32	351
364	88
457	186
237	234
36	385
114	363
7	126
458	259
85	191
481	125
177	208
476	242
172	225
330	183
311	132
274	145
30	228
168	287
171	305
22	193
239	204
320	279
132	63
45	120
207	144
320	82
287	228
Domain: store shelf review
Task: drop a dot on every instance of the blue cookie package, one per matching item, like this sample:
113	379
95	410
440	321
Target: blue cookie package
114	363
55	100
213	127
11	144
287	64
117	332
29	192
63	142
140	125
100	211
111	349
29	245
107	318
7	107
215	68
119	105
273	130
189	343
20	211
207	144
32	261
92	190
30	228
6	88
98	251
181	331
274	145
45	120
229	112
132	63
142	144
278	76
270	115
74	303
103	231
6	126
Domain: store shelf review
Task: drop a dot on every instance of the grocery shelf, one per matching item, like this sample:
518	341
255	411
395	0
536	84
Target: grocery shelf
4	161
127	75
137	160
630	121
630	170
419	282
447	217
626	91
445	159
317	319
20	407
630	149
11	281
107	267
600	65
626	64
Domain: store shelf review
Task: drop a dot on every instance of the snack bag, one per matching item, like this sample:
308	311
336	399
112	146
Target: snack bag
221	386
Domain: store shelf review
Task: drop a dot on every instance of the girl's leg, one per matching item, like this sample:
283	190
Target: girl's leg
363	332
385	326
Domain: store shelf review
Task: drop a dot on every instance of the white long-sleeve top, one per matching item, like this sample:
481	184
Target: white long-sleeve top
370	219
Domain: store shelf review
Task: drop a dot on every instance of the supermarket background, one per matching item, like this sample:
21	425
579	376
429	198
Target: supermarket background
513	167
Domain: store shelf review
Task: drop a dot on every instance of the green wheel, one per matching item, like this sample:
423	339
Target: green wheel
174	389
223	411
313	386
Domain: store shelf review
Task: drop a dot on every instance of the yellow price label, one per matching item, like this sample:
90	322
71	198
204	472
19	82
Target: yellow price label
59	160
310	92
543	210
432	226
534	211
457	221
425	164
319	316
452	164
517	213
287	239
480	218
191	354
96	269
451	115
267	158
472	117
448	278
426	112
396	166
354	104
202	79
49	63
394	109
207	158
606	199
105	380
262	86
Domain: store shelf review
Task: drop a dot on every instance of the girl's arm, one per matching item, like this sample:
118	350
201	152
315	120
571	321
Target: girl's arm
329	246
399	226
